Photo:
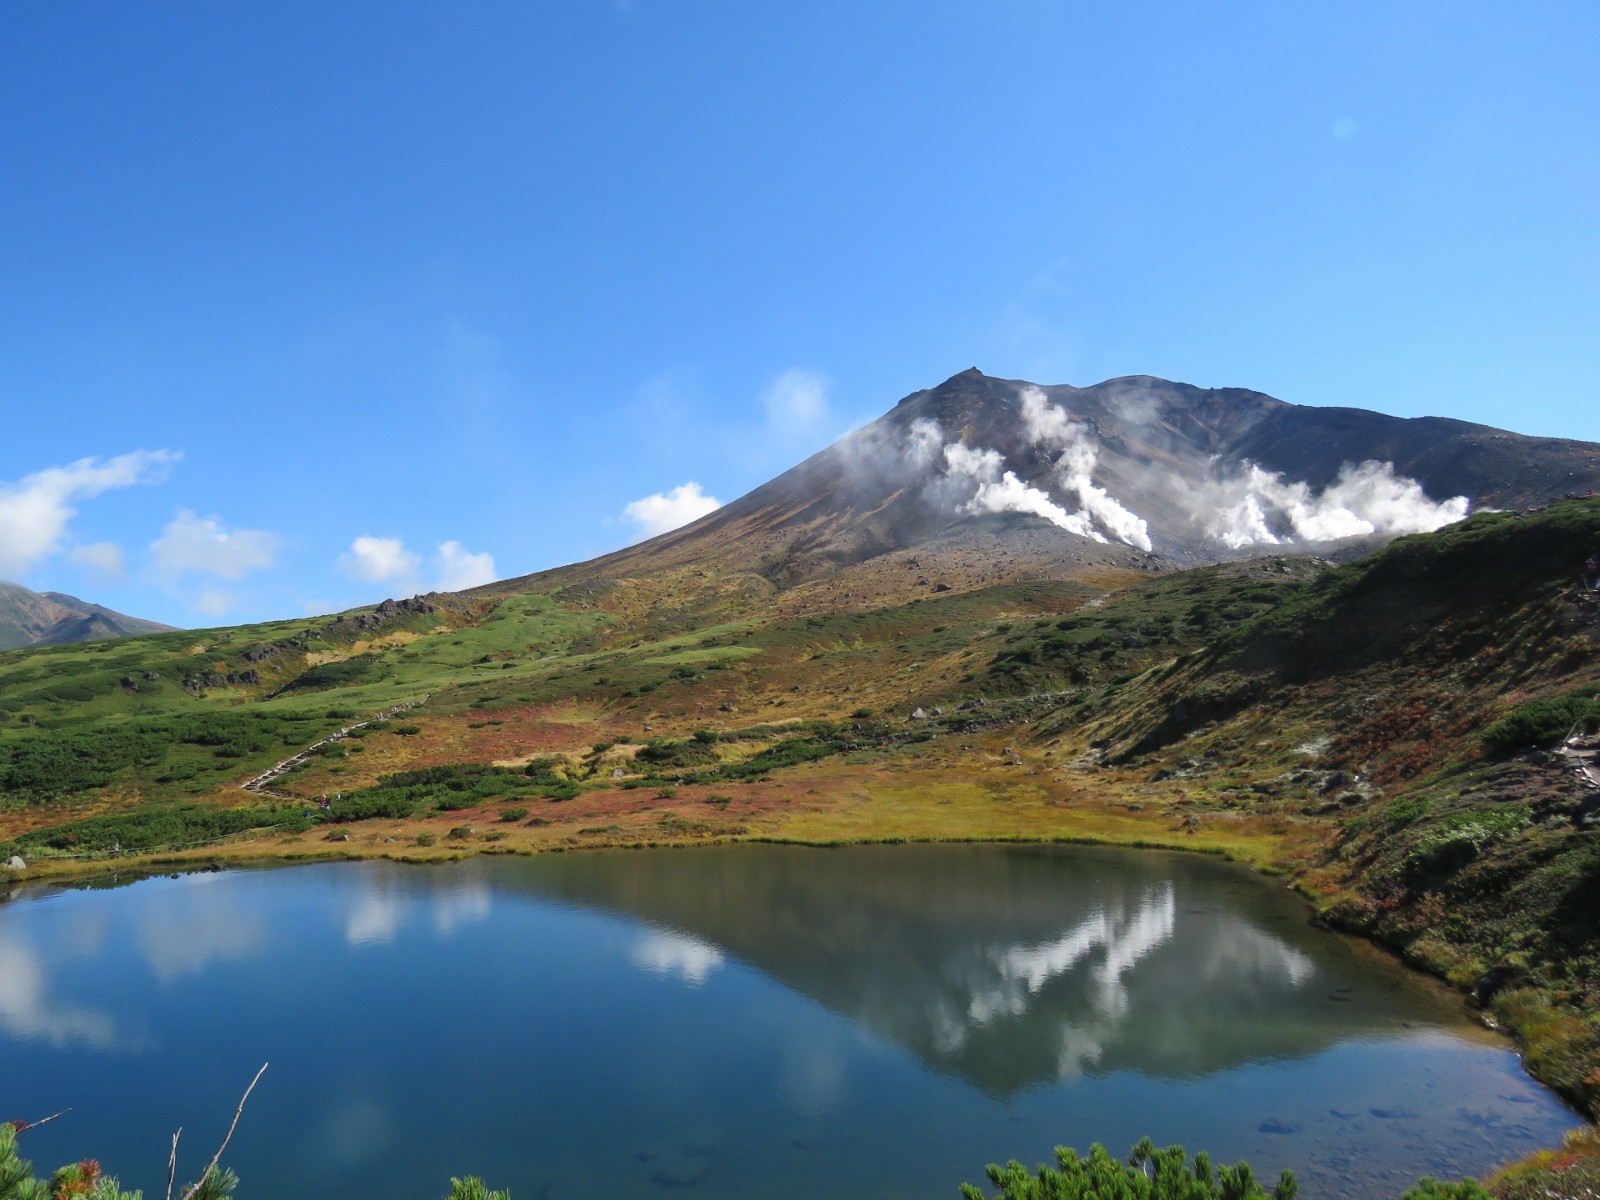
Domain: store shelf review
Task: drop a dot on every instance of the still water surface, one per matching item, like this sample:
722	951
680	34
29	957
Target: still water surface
734	1022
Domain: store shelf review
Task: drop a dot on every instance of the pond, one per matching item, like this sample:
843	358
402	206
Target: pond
726	1022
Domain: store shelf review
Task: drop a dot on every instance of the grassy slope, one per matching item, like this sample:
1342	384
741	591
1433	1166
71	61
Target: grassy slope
1322	720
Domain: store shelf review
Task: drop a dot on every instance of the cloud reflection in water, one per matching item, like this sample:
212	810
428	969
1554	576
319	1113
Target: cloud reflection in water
666	952
29	1010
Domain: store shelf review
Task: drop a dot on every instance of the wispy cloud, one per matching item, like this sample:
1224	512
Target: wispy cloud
205	546
35	511
103	560
215	603
665	511
797	400
459	569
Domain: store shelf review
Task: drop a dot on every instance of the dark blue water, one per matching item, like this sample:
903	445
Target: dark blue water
734	1022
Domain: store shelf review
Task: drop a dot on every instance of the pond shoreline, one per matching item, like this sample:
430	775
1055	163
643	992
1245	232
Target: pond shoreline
251	853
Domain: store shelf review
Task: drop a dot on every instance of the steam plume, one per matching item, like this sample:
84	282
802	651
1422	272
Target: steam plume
976	479
1259	507
996	492
1048	425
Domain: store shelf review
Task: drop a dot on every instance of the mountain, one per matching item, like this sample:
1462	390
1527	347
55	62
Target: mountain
1135	472
30	618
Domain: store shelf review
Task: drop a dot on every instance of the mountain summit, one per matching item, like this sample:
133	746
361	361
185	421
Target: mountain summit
1133	472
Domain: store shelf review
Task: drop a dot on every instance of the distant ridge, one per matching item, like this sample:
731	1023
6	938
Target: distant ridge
29	618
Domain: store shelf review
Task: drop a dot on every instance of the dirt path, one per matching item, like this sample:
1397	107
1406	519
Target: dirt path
258	785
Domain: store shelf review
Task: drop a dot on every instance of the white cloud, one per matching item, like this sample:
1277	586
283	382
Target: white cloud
35	510
103	559
663	512
215	603
458	569
386	560
797	399
374	559
207	547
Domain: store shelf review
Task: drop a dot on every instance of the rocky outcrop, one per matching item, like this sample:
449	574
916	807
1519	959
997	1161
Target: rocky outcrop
198	683
388	611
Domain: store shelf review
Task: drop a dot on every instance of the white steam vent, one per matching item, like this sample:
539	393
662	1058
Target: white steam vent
976	480
1259	507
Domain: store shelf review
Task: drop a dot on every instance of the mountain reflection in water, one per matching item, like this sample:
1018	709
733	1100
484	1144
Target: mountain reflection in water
737	1023
999	966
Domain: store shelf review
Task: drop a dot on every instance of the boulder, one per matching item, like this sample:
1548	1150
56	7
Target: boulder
15	863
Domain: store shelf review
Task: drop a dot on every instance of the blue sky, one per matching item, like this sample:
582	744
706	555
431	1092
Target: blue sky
346	299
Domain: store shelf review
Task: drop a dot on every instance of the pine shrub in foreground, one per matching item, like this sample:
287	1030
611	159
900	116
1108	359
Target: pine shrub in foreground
1149	1174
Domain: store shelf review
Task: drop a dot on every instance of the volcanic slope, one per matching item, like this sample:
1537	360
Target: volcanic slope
1134	472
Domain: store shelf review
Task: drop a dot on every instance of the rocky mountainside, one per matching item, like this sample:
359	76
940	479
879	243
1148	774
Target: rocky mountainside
1133	472
29	618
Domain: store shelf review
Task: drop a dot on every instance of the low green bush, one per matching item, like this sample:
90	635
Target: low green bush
1543	722
159	828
